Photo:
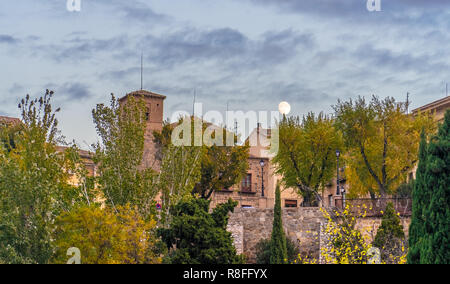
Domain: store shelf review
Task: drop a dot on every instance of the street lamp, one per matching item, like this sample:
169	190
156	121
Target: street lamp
338	192
338	153
261	163
338	187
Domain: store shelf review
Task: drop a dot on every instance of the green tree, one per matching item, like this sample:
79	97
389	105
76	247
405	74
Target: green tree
382	143
263	250
196	236
106	237
405	190
306	156
278	250
420	199
121	177
34	184
222	165
9	133
435	248
180	172
390	238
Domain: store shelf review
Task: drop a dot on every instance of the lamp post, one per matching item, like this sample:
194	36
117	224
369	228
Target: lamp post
338	192
261	163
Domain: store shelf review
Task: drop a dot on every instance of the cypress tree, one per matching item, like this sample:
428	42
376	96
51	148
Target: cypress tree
278	248
420	200
435	249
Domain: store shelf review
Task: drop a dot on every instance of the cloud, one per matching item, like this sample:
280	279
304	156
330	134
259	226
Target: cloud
227	46
129	10
345	8
73	91
400	61
138	11
16	88
77	48
7	39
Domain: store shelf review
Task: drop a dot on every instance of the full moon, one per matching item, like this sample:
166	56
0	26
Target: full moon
284	108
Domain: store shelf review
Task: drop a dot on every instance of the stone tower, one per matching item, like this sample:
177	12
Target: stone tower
154	104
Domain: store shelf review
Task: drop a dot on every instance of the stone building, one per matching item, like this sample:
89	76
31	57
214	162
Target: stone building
262	172
5	120
438	109
154	114
249	192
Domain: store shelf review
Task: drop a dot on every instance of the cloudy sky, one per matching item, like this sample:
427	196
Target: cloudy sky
251	53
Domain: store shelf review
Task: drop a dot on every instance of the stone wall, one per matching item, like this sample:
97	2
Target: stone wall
250	225
302	225
368	226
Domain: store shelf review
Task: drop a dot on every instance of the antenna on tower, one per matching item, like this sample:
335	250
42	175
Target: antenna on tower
193	103
142	70
407	103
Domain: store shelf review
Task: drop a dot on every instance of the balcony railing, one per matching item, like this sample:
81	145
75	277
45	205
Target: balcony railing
375	207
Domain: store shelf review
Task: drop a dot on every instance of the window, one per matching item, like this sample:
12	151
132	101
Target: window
246	185
290	203
330	200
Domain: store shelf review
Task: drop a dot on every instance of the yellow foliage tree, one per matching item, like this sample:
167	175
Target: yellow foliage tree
382	142
104	236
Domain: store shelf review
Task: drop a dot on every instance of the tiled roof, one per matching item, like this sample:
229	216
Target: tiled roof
145	94
432	105
9	120
83	153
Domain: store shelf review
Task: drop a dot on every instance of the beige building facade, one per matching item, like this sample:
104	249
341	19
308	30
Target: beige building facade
261	172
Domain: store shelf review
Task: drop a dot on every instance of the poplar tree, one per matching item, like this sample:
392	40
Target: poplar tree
34	184
382	143
121	177
306	156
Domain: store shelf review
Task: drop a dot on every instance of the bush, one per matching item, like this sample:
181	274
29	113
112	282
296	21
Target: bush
196	236
106	237
263	251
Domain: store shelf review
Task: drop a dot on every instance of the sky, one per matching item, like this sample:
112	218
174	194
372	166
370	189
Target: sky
249	54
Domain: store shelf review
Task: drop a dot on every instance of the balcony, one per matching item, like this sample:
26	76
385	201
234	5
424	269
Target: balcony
248	189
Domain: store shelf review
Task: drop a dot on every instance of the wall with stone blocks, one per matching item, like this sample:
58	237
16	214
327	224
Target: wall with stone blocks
302	225
250	225
368	226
